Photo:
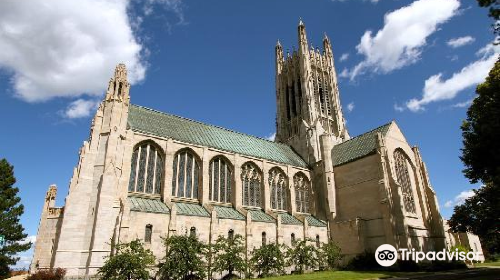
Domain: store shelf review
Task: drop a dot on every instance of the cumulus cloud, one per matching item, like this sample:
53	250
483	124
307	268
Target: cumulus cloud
350	106
344	57
461	41
437	89
459	199
66	48
400	41
271	136
398	108
81	108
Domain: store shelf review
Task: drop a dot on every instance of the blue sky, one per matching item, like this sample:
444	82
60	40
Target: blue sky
213	61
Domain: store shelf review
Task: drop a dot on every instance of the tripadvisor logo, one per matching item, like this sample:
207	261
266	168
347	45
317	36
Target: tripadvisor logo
386	255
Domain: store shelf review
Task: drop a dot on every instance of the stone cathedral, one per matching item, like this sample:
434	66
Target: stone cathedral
147	174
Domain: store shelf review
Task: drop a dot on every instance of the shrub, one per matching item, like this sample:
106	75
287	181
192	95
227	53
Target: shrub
229	255
269	260
184	258
329	256
48	274
364	261
302	256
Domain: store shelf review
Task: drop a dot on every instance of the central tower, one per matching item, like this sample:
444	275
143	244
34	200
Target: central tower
307	95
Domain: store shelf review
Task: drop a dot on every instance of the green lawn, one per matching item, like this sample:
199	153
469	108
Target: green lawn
488	264
338	275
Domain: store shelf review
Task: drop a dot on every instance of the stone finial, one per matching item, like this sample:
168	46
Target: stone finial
121	73
278	44
301	23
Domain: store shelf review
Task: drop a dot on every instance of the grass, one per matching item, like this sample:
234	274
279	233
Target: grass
497	263
338	275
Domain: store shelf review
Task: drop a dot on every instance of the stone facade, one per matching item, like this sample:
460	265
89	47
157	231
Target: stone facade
146	174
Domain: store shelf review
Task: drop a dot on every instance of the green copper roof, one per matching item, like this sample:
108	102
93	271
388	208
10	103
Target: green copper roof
261	216
147	205
228	213
314	222
358	146
288	219
191	209
165	125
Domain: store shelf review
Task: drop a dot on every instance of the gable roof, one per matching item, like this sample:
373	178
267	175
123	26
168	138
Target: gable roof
149	121
358	147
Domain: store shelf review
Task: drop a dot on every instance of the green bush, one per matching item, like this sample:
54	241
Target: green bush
229	255
269	260
184	259
302	256
329	256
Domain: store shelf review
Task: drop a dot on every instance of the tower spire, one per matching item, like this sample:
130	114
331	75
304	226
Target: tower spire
119	86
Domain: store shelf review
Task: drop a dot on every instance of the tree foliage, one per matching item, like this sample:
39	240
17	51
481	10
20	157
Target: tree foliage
494	12
229	255
10	211
269	260
131	261
303	256
481	156
184	258
329	255
48	274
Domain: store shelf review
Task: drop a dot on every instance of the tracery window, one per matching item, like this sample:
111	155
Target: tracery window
148	233
221	177
403	176
146	175
186	174
302	192
277	185
251	182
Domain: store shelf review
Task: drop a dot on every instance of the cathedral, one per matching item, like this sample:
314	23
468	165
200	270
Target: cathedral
148	174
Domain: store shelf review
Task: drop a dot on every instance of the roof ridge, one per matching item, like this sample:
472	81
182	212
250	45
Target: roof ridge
364	133
207	124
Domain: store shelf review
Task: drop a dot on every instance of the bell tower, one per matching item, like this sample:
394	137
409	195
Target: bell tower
307	95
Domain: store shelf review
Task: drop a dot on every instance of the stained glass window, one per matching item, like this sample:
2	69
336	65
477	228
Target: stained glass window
185	175
251	182
403	176
302	192
220	180
277	185
146	170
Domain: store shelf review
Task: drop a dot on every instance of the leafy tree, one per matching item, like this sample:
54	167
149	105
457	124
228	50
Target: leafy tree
329	255
303	256
130	262
229	255
481	156
494	12
10	211
269	260
183	258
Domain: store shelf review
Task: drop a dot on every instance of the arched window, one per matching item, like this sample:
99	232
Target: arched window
186	174
403	176
251	182
148	233
302	191
292	238
220	180
230	234
192	232
277	185
146	175
264	238
317	241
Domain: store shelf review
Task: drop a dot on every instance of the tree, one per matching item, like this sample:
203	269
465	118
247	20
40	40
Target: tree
269	260
481	156
303	256
131	261
494	11
329	255
183	258
229	255
10	211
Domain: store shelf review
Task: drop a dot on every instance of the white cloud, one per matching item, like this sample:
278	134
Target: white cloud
350	107
81	108
66	48
398	108
344	57
463	104
459	199
271	136
399	43
437	89
461	41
